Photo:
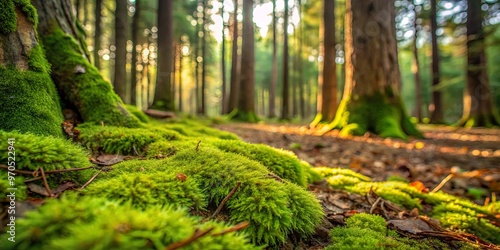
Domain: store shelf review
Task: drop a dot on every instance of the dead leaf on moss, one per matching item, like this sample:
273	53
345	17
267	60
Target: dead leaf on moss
108	160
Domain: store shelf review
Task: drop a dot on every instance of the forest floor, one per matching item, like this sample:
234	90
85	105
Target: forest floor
463	162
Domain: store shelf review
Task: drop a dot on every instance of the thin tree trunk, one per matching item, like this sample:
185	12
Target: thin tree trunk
223	63
121	24
300	69
174	69
135	41
235	65
180	82
85	12
437	115
204	56
416	70
274	70
163	98
285	112
478	100
329	90
97	34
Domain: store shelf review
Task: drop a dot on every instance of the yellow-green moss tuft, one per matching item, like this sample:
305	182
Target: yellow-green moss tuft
30	103
97	223
21	192
283	163
46	152
8	17
137	113
120	140
146	189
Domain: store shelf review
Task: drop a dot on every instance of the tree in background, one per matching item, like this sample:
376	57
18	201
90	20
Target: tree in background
285	110
246	105
163	98
371	101
437	115
478	101
274	70
223	62
235	64
416	66
135	42
329	90
121	33
97	33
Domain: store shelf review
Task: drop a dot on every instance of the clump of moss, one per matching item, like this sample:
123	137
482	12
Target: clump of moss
46	152
137	113
387	191
8	17
82	83
340	177
31	103
96	223
274	208
120	140
283	163
195	128
366	231
145	189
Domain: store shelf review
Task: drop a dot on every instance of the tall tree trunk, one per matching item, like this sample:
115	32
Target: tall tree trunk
180	81
274	69
246	104
223	63
299	66
204	57
371	100
174	69
30	103
135	42
329	90
97	33
478	100
163	98
79	83
235	64
437	115
416	69
285	110
121	27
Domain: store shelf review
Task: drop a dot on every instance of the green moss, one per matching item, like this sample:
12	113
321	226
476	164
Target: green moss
274	209
374	114
31	103
137	113
388	192
239	115
85	88
283	163
96	223
198	129
143	190
37	61
340	177
46	152
120	140
8	17
366	231
28	9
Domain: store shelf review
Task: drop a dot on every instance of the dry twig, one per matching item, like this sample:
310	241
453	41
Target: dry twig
91	179
198	145
197	234
444	181
236	227
221	205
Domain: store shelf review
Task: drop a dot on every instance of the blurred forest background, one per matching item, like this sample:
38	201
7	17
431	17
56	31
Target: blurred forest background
206	58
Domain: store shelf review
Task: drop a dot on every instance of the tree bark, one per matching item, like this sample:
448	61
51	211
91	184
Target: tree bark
371	101
235	64
163	98
97	33
285	110
121	28
329	90
246	104
30	103
478	100
223	63
135	42
80	85
416	70
437	115
300	63
274	69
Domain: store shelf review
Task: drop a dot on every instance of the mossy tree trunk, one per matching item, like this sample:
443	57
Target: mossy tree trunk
80	85
371	100
29	99
478	101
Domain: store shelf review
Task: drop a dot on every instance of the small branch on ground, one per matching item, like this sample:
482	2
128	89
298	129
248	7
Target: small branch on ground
443	182
221	205
197	234
45	183
33	173
198	145
236	227
91	179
